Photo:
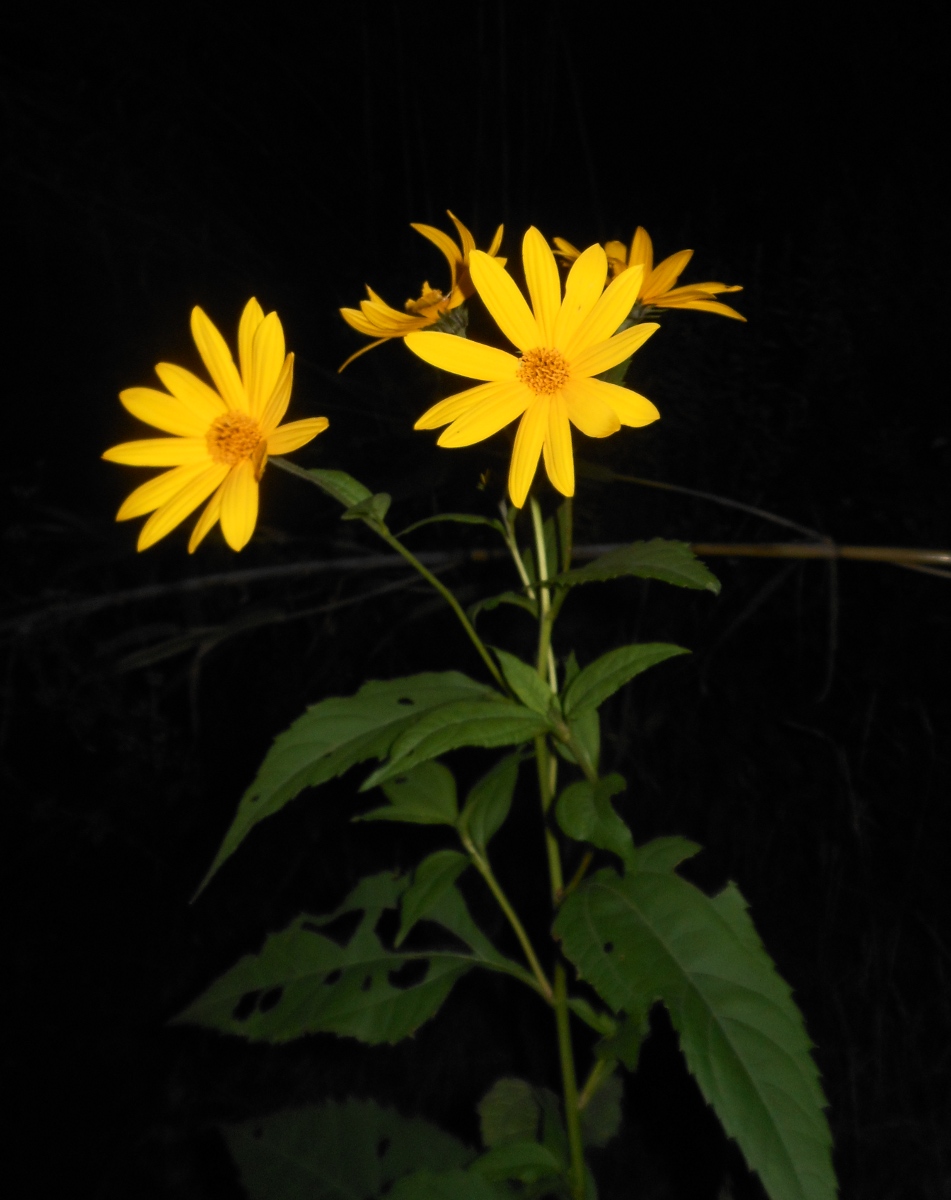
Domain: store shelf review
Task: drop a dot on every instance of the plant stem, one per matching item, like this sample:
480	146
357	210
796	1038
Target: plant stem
569	1083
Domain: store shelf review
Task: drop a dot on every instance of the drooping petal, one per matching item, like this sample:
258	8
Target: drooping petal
462	357
642	251
498	408
632	409
559	461
565	249
362	350
251	318
496	243
665	274
218	361
544	287
443	242
295	434
605	355
703	289
192	391
612	307
206	522
454	406
152	495
713	306
159	452
280	398
239	505
163	411
504	301
584	285
588	411
528	445
267	361
178	507
466	240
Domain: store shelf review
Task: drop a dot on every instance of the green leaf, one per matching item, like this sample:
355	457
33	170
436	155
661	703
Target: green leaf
423	796
653	935
447	1185
336	734
525	1161
372	509
584	812
526	683
518	599
493	721
349	1151
602	678
663	854
434	876
623	1045
672	562
488	803
601	1116
456	518
343	487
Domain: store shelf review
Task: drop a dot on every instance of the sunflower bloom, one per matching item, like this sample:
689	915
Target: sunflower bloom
223	435
657	289
377	320
563	344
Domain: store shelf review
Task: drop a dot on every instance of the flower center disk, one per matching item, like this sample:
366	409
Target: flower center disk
543	371
234	436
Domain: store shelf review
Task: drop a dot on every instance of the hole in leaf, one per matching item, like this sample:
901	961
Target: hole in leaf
341	929
410	974
270	999
608	947
332	977
387	926
429	935
245	1006
382	1146
367	984
405	700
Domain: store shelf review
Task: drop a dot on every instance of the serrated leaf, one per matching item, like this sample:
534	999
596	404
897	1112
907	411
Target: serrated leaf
509	1112
423	796
584	812
601	1116
371	508
434	876
488	803
349	1151
671	562
653	935
607	674
336	734
342	487
624	1043
665	853
525	682
490	722
447	1185
457	519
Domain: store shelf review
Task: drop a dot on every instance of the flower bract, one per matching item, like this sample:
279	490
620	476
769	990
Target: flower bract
550	385
222	435
657	288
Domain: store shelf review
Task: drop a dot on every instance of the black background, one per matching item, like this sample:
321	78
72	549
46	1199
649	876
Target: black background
152	163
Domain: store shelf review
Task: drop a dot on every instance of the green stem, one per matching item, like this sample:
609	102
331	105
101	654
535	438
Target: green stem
602	1070
569	1083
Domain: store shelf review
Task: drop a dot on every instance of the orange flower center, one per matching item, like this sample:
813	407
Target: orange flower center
235	436
544	371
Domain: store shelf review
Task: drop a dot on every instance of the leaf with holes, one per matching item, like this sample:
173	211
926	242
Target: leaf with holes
654	936
672	562
584	812
607	674
488	803
337	1151
336	734
423	796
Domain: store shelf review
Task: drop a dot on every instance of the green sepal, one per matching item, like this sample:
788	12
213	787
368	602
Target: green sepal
584	812
607	674
489	802
671	562
424	796
434	876
342	487
373	509
527	684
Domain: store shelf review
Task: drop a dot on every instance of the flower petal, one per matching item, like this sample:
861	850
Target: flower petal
217	359
528	445
466	240
496	243
664	275
504	301
160	452
713	306
152	495
498	408
362	350
617	256
163	411
632	409
584	285
642	251
206	522
559	462
295	434
606	355
462	357
612	307
276	407
267	361
178	507
454	406
565	250
588	411
544	287
251	318
192	391
442	241
239	505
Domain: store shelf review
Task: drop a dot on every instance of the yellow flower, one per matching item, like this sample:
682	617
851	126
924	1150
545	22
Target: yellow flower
657	289
223	437
376	319
563	344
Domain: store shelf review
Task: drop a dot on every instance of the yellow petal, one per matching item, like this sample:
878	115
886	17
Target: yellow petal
466	240
544	287
295	434
462	357
277	405
642	251
192	391
178	507
565	249
559	462
618	252
251	318
160	452
496	243
632	409
152	495
362	350
605	355
267	361
356	320
164	412
454	406
218	361
664	275
497	408
206	522
584	285
528	445
239	505
588	411
713	306
703	289
504	301
611	309
443	242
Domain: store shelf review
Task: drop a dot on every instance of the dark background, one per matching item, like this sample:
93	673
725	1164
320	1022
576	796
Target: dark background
151	164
